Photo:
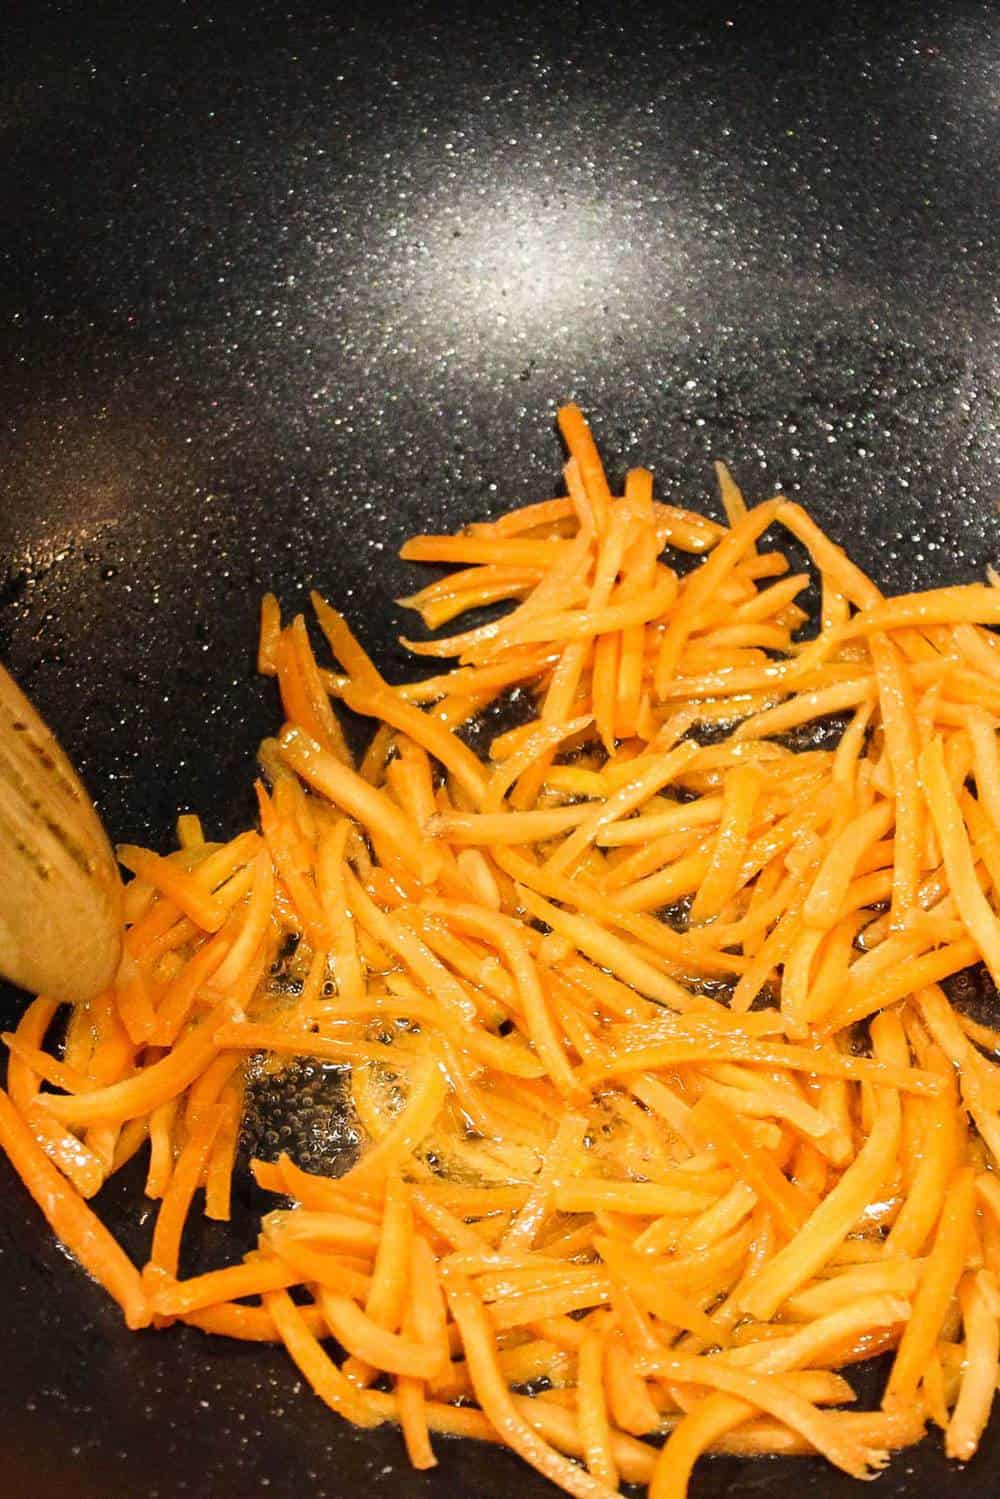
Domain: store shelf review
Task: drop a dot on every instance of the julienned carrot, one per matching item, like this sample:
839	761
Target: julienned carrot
411	1403
161	1148
726	1132
187	893
609	951
47	1068
358	1334
389	1293
428	1090
71	1220
146	1089
982	1334
980	920
701	584
270	632
292	856
706	1423
300	706
642	1277
539	1025
584	624
592	1408
253	1277
635	1152
176	1203
515	552
222	1156
495	1398
425	729
830	1223
578	439
249	1324
725	1047
320	714
180	996
938	1283
319	1371
371	807
900	727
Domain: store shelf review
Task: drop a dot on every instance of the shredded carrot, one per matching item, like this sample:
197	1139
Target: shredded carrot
319	1371
724	1130
371	807
495	1398
161	1148
270	632
938	1283
589	984
222	1155
71	1220
172	880
146	1089
176	1203
249	1324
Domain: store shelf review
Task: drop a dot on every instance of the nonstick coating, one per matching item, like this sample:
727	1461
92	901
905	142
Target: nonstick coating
282	284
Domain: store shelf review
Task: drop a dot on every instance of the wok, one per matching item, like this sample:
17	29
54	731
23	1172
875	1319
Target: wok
284	283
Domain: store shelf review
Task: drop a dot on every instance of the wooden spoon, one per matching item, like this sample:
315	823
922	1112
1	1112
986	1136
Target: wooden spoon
60	891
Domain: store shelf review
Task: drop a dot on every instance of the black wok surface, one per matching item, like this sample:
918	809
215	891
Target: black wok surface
280	284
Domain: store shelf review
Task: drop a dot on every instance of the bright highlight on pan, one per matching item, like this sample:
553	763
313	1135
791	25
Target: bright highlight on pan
668	1118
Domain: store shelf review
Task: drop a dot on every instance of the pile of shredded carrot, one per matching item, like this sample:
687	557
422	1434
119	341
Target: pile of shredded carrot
667	1118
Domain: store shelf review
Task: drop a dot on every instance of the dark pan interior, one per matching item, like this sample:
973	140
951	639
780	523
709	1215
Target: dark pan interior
284	283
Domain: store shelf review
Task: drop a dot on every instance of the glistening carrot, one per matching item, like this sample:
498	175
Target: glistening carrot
74	1224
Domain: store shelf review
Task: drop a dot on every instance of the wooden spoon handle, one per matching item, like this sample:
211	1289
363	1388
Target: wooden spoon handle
60	891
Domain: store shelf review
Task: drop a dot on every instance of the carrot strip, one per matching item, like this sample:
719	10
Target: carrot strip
496	1402
939	1147
411	1406
270	632
71	1220
604	686
702	584
161	1149
538	1019
187	893
176	1204
222	1156
317	1369
252	1278
48	1068
829	1223
360	1335
429	1088
582	448
425	729
724	873
311	711
146	1089
592	1409
976	912
982	1352
293	858
718	1413
901	741
720	1127
180	996
342	786
762	1392
941	1275
249	1324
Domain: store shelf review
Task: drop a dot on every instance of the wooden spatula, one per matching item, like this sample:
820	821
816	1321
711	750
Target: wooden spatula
60	892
